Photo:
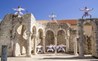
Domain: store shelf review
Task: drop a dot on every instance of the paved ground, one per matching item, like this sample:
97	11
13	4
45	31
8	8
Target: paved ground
52	57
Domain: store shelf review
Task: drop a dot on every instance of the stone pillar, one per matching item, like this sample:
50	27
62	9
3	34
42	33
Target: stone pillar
95	46
44	44
75	46
80	34
67	44
28	50
35	44
55	44
67	40
14	48
4	53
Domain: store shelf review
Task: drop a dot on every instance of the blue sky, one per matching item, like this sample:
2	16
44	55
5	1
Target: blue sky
64	9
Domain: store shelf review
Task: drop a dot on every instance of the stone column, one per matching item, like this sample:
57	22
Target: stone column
44	44
67	40
80	34
95	37
67	44
95	46
14	47
28	49
75	46
55	44
35	43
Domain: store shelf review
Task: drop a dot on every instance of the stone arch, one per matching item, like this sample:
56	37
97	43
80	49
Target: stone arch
50	37
50	30
22	32
82	36
61	37
40	33
62	30
88	35
61	40
19	34
21	38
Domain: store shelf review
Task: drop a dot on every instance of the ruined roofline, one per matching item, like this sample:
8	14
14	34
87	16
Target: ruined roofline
70	21
14	14
57	20
11	15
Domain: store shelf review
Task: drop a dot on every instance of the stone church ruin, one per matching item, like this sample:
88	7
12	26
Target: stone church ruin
26	36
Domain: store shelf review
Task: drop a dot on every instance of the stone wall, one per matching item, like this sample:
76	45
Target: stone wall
5	29
13	33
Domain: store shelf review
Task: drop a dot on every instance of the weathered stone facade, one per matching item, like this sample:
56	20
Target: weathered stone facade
16	34
23	35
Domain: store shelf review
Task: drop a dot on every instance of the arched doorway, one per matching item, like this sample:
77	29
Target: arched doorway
19	46
23	40
61	41
82	39
50	41
87	28
49	37
61	37
40	33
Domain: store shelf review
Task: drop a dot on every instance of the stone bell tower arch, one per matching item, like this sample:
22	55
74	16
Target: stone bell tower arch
94	23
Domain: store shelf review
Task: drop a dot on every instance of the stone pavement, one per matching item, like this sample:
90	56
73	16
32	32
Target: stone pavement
52	57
